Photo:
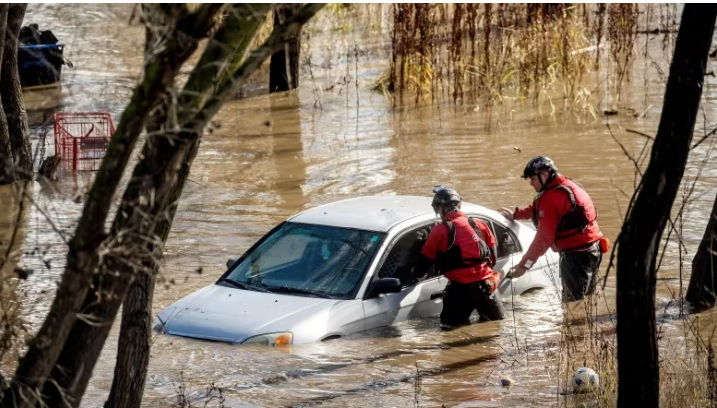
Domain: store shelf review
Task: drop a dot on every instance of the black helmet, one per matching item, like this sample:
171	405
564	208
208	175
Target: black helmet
536	164
443	197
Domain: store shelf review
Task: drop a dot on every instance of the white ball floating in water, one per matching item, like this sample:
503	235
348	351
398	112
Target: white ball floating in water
585	380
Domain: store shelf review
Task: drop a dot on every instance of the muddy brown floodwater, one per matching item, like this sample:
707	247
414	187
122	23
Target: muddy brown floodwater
274	156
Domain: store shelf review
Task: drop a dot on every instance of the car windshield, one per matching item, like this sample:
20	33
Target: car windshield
309	260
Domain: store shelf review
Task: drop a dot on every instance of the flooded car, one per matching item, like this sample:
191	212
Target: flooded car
337	269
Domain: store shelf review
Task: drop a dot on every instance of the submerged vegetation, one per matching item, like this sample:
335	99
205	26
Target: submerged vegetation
493	52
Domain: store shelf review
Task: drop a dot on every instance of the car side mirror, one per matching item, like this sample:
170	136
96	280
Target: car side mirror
231	261
384	285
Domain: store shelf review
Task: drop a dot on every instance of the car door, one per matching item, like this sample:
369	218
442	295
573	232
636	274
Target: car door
509	252
414	301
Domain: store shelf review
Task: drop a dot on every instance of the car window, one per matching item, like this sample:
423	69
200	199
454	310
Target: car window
506	242
328	260
397	264
285	249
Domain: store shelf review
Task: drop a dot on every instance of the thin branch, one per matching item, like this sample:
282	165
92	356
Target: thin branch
624	149
272	44
699	142
640	134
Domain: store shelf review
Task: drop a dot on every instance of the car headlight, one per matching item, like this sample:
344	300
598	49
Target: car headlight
158	326
271	339
160	321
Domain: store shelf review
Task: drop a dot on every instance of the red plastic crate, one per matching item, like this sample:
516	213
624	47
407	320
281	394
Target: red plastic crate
81	139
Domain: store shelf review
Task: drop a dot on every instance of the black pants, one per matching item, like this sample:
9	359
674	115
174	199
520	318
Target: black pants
461	299
578	272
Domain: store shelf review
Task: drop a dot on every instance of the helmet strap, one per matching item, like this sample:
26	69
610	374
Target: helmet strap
551	177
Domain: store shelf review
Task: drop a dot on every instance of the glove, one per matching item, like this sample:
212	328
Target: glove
489	284
405	275
422	234
485	287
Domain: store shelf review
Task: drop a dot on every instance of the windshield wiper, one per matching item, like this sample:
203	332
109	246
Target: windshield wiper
288	289
242	285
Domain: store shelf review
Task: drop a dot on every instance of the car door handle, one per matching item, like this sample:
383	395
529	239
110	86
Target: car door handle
439	294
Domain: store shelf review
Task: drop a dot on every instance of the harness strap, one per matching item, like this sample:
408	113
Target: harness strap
452	240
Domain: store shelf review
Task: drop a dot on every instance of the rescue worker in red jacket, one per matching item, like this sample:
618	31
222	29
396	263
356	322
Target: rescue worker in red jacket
463	250
565	218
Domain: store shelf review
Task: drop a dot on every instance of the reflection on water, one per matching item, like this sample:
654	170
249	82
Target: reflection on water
273	156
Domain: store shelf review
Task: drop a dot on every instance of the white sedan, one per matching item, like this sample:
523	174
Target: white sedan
338	269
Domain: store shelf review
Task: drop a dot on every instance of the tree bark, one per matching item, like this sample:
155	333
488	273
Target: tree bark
7	169
135	332
133	349
145	195
82	259
275	42
155	176
11	94
639	241
84	343
234	36
280	78
702	290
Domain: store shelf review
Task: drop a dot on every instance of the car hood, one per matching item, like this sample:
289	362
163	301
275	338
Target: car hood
233	315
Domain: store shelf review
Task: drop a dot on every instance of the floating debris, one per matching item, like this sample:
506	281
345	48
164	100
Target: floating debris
507	381
276	378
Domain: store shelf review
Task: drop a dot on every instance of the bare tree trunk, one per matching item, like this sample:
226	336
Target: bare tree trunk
639	241
11	93
135	332
151	178
281	79
81	340
133	349
154	176
7	169
82	259
702	290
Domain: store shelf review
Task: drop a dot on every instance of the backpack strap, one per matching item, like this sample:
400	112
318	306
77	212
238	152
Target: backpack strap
451	233
481	240
472	222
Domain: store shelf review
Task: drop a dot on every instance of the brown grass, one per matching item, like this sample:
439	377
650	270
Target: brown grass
493	52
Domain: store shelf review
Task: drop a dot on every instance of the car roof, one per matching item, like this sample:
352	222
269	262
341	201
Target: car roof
374	213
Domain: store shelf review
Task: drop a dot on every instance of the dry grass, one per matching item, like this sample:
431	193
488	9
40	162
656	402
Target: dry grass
495	52
688	371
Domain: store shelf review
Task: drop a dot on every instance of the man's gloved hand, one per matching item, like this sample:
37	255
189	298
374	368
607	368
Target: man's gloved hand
485	287
417	246
490	284
415	276
405	275
422	234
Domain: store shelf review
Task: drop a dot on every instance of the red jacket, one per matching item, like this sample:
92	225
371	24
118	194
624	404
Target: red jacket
437	243
550	207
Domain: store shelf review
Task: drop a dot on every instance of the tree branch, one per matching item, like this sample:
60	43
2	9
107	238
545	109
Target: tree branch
82	259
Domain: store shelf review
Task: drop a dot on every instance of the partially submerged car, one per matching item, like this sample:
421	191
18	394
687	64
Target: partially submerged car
336	269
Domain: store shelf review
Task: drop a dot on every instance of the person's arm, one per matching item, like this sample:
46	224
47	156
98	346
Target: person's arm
489	239
404	272
516	213
422	265
552	206
524	213
429	251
